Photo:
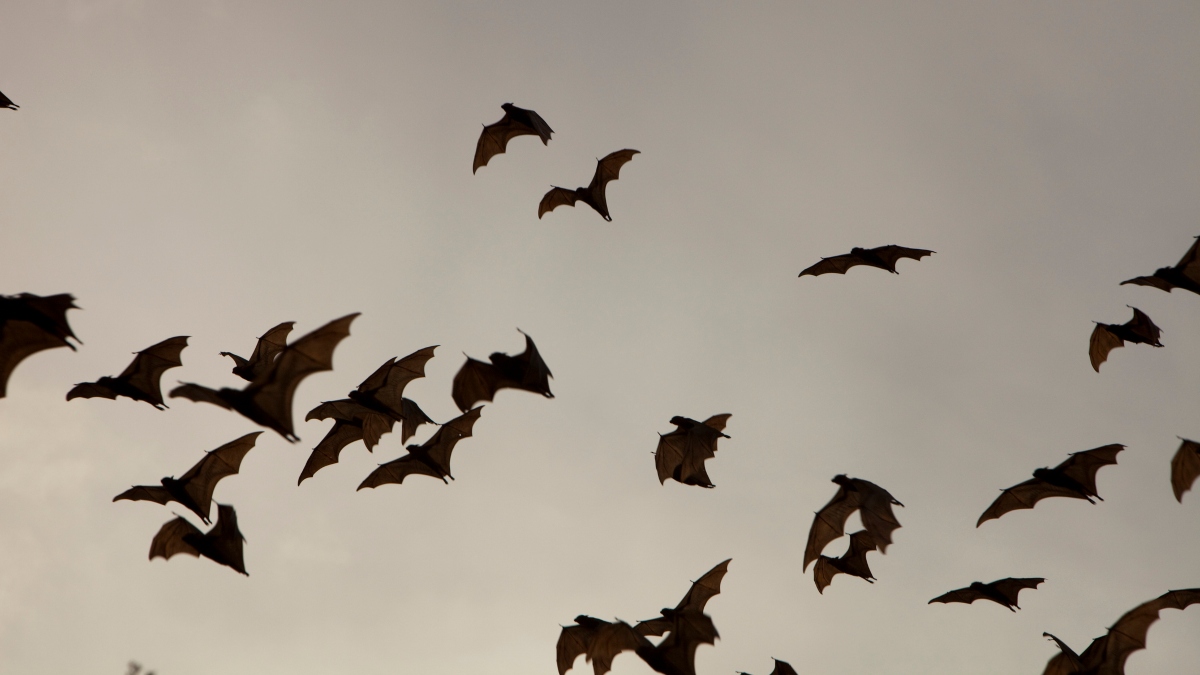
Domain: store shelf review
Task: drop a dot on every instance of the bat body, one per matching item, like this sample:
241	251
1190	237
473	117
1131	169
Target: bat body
1185	466
265	351
599	641
431	458
781	668
222	544
874	505
268	399
516	122
852	562
6	102
478	381
1106	655
141	380
1185	274
29	324
1109	336
883	257
607	169
1002	592
681	453
1075	478
194	489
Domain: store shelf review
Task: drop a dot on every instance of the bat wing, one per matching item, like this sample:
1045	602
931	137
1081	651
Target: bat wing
1082	466
146	371
201	480
657	626
91	390
1103	341
495	137
389	390
342	409
1107	654
1189	264
6	102
876	512
50	313
224	540
330	448
1156	282
266	350
668	457
555	198
782	668
535	374
965	595
837	264
1024	496
145	493
824	572
1185	466
1010	588
892	253
572	641
170	539
20	340
703	589
853	562
1066	662
442	443
830	523
273	391
676	655
718	421
610	640
607	169
476	381
396	471
1141	326
194	392
413	417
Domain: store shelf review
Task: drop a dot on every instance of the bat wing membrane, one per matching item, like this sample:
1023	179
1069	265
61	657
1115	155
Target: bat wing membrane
837	264
145	493
146	371
201	480
1082	466
1185	467
830	523
170	539
1024	496
20	340
555	198
1103	341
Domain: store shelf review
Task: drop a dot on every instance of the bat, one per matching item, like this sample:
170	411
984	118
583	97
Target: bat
6	102
1075	478
1106	654
1185	274
351	422
781	668
852	562
607	169
431	458
268	399
194	489
268	347
600	641
1185	466
883	257
681	453
1109	336
29	324
874	505
222	544
516	122
686	625
141	380
478	381
1002	592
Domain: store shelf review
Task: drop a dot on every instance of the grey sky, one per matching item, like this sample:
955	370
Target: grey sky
213	168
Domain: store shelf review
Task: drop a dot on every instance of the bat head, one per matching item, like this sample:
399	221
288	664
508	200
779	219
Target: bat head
842	480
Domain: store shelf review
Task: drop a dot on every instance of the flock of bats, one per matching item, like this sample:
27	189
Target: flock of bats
31	323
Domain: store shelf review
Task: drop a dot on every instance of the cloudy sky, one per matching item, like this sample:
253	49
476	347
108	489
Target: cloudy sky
211	168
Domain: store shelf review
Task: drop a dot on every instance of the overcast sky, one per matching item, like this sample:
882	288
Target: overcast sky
212	168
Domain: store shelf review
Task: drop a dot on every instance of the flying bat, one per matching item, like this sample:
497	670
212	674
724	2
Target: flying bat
140	381
29	324
268	347
1075	478
598	640
681	453
351	422
516	122
781	668
686	625
1185	274
874	505
6	102
268	399
478	381
1106	654
221	544
431	458
883	257
1185	466
852	562
1109	336
1002	592
607	169
194	489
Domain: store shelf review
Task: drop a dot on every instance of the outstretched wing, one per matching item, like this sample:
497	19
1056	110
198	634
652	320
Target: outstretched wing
965	595
194	392
6	102
1103	341
387	385
442	443
610	640
1066	662
892	253
718	421
1185	466
782	668
535	373
476	381
145	493
1082	466
18	341
830	523
201	480
1011	587
268	347
704	588
1024	496
516	122
572	641
1189	264
1156	282
91	390
224	541
669	455
876	512
608	169
555	198
330	448
396	471
1141	326
413	417
170	539
274	389
853	561
147	368
1107	654
837	264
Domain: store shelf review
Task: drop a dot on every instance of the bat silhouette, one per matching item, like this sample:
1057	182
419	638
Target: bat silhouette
686	625
431	458
1109	336
29	324
852	562
6	102
141	380
268	399
516	122
1075	478
607	169
1185	466
874	505
222	544
370	411
598	640
194	489
1106	654
883	257
1185	274
268	347
478	381
681	453
1002	592
781	668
